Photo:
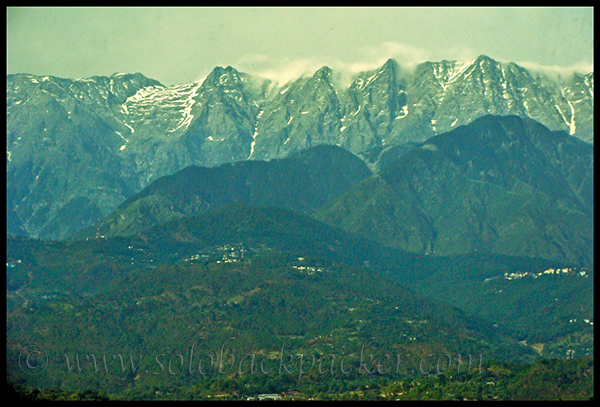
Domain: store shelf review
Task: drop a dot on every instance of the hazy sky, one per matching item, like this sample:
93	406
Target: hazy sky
177	45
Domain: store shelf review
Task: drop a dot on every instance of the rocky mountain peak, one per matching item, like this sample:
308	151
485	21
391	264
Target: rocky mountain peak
324	73
220	77
390	69
484	60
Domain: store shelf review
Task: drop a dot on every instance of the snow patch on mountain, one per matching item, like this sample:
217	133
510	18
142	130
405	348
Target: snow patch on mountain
572	127
255	133
187	110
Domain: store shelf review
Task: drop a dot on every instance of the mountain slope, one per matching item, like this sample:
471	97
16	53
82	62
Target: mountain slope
88	144
77	148
500	185
302	182
61	140
305	114
454	93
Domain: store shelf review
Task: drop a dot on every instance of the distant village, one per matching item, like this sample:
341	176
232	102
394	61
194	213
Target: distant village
237	252
227	253
551	271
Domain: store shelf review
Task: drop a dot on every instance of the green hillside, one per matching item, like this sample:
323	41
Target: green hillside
302	182
500	185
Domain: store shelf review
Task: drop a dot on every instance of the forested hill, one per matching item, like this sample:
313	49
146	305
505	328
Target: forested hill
501	184
303	183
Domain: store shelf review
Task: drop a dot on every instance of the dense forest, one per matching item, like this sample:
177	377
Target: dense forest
247	302
549	379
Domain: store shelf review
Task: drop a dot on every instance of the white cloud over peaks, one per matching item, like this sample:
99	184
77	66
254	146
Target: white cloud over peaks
283	69
406	55
280	70
556	71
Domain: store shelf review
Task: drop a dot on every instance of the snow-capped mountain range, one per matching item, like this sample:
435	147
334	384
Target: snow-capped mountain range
76	149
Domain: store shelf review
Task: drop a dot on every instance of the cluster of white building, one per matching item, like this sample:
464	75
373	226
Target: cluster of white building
587	321
550	271
310	270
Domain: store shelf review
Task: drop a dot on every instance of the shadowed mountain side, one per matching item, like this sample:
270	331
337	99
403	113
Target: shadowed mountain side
501	185
303	183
